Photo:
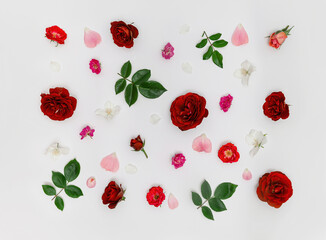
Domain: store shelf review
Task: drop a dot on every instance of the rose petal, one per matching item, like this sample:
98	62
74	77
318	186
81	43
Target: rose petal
239	36
202	144
184	29
154	118
186	67
131	169
55	66
91	38
246	175
91	182
172	201
110	163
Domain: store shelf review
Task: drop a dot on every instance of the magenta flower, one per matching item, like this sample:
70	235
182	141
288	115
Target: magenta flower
225	102
178	160
87	131
168	51
95	66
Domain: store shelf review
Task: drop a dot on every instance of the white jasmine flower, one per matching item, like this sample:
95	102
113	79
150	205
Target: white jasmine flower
256	139
109	111
244	73
56	150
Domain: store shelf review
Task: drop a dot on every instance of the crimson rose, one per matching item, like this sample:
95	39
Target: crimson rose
155	196
58	105
228	153
123	34
188	111
275	106
112	195
275	188
56	34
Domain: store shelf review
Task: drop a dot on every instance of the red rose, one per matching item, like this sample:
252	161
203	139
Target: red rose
123	34
56	34
275	188
278	37
275	106
138	145
155	196
112	195
188	111
228	153
58	105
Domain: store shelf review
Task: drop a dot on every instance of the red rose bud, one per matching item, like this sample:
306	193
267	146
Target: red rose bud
138	145
56	34
112	195
123	34
275	106
277	38
275	188
155	196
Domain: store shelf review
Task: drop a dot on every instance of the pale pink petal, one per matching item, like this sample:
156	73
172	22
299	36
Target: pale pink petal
91	38
239	36
91	182
246	175
110	163
202	144
172	201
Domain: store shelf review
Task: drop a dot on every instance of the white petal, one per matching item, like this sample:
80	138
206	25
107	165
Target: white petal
64	150
154	119
55	66
184	29
253	151
115	110
186	67
108	105
238	73
131	169
101	112
250	140
264	140
245	80
246	65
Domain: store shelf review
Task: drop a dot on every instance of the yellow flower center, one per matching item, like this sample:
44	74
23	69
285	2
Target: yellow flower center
228	153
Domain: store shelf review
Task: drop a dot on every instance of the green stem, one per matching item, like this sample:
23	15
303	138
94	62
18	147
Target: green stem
124	78
143	150
203	203
208	39
57	194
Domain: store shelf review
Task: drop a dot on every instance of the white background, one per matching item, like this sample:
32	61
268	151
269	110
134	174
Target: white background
296	146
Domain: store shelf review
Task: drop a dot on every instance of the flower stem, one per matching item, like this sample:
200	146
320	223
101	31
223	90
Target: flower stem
203	203
57	194
143	150
124	78
208	39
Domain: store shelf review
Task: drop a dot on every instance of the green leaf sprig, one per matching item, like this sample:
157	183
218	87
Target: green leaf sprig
214	42
223	191
71	172
139	82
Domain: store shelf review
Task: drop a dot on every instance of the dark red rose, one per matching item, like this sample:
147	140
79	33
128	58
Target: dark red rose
137	143
155	196
275	106
275	188
228	153
112	195
123	34
188	111
58	105
56	34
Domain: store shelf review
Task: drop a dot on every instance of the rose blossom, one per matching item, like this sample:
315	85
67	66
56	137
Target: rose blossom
168	51
277	38
178	160
155	196
138	145
123	34
56	34
87	131
228	153
112	195
225	102
95	66
275	106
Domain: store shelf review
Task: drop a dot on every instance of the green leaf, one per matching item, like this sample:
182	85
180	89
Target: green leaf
141	76
151	89
73	191
216	204
208	54
120	85
206	190
126	70
196	199
58	179
202	43
225	190
49	190
131	94
59	203
207	212
220	43
215	36
72	170
217	59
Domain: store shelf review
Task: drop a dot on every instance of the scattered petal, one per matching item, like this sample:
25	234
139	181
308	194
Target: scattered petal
225	102
168	51
87	131
244	73
110	163
186	67
91	38
256	139
91	182
109	111
55	66
239	36
184	29
56	150
154	119
202	144
131	169
246	175
172	201
95	66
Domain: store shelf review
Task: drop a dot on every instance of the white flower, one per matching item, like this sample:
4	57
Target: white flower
244	73
256	139
154	119
186	67
109	111
55	150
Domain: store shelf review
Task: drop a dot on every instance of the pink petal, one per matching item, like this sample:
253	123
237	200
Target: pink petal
91	182
110	163
202	144
246	175
172	202
239	36
91	38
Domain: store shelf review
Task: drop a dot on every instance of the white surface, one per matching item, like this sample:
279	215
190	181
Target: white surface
296	146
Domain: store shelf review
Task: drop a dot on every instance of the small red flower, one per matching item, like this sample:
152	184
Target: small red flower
228	153
155	196
138	145
275	106
56	34
277	38
123	34
112	195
